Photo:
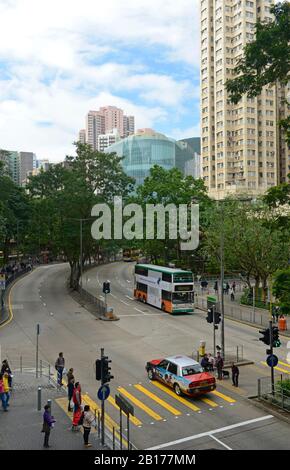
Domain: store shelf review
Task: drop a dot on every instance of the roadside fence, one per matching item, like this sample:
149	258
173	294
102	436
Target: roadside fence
279	397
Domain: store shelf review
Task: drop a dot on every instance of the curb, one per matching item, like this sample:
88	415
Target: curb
7	316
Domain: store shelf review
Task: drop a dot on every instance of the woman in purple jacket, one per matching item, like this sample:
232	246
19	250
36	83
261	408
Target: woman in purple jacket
48	422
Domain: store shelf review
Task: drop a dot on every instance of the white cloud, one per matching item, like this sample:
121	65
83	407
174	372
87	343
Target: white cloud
56	69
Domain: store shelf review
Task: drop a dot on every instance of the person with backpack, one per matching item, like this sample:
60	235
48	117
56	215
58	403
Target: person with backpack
86	421
77	401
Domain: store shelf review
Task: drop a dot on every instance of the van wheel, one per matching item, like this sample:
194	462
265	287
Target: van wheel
177	390
151	375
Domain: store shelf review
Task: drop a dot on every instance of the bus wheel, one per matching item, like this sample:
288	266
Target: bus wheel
177	389
151	375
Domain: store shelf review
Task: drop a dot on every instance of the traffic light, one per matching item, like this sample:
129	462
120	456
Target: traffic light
209	317
106	374
217	318
276	340
106	287
266	336
98	369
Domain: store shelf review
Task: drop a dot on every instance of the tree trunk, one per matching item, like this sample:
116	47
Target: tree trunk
75	274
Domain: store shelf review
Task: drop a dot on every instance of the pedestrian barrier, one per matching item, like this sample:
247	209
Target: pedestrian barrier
279	396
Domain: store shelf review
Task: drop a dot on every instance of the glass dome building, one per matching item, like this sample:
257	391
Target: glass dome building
147	148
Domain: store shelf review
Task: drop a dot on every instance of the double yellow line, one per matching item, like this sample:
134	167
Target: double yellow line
10	317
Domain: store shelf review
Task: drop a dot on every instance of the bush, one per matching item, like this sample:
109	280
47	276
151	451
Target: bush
284	386
247	299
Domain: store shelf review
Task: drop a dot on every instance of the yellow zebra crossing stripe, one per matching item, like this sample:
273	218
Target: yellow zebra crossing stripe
62	403
284	364
277	368
224	397
158	400
176	397
209	402
141	405
133	419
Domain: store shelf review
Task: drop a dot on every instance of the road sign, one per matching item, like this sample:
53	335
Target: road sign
272	360
124	405
2	282
103	392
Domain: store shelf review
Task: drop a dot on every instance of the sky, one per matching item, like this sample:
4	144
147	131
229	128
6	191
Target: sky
61	58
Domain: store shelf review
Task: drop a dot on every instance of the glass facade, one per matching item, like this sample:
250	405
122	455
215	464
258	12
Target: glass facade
142	151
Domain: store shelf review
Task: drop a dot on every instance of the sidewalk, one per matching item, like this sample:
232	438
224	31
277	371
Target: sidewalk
233	309
20	428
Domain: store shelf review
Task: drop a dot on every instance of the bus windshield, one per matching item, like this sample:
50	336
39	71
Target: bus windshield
182	297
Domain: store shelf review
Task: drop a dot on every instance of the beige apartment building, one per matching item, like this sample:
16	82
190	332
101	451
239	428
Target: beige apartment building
240	144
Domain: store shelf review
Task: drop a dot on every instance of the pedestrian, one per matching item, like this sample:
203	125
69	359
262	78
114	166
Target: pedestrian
6	387
227	288
5	367
88	419
232	295
204	362
234	286
216	287
219	363
235	375
48	423
210	362
59	365
2	394
77	401
70	387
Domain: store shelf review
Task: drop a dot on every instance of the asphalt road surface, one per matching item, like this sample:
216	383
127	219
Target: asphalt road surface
222	420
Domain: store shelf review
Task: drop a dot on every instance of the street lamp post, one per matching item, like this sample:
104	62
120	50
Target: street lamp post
222	276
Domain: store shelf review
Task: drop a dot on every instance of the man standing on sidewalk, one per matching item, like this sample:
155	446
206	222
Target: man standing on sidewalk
235	375
59	365
219	363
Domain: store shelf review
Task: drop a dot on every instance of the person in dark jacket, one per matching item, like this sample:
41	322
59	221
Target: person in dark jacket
48	422
59	365
70	387
204	363
235	375
219	363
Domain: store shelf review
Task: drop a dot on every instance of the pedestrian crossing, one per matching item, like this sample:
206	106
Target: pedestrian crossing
154	403
285	369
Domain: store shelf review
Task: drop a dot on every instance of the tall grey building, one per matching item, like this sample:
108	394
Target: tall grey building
27	162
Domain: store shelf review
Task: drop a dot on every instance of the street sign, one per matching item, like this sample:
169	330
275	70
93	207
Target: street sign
124	405
272	360
2	282
103	392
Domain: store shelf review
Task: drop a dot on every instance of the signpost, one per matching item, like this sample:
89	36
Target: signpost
103	392
272	360
37	335
128	409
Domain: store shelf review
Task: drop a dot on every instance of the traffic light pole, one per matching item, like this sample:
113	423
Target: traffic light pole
103	401
271	352
214	330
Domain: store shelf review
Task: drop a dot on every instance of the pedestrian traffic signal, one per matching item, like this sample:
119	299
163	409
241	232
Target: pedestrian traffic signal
266	336
98	369
106	287
276	340
209	317
217	318
106	374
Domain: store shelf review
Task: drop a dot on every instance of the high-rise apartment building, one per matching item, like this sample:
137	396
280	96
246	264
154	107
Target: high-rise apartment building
240	143
27	163
105	140
103	122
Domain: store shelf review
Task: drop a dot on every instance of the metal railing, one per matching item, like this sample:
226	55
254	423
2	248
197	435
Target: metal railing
278	396
27	365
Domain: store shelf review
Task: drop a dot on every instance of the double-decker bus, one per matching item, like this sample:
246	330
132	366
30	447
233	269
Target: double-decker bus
166	288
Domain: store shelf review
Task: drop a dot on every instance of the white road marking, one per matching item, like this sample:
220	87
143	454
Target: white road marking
210	433
128	297
135	308
123	302
44	305
113	296
220	442
129	281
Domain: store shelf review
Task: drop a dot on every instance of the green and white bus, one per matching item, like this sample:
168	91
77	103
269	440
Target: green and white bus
169	289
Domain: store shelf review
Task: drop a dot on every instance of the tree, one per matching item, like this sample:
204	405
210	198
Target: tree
62	200
281	289
170	187
266	60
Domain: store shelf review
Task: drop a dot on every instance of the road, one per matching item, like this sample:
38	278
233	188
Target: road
223	421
